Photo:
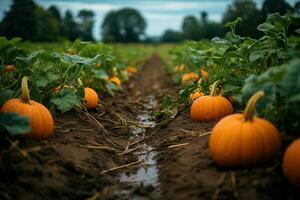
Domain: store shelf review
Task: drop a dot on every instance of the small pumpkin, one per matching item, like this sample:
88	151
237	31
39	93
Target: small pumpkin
90	97
188	77
131	70
10	68
116	81
291	163
40	118
211	107
97	65
195	95
204	73
243	140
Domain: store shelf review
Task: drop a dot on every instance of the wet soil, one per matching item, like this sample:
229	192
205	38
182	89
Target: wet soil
171	155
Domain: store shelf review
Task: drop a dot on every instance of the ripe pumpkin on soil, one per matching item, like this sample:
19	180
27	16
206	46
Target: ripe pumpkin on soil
131	70
192	76
243	140
210	107
291	163
40	118
116	81
90	97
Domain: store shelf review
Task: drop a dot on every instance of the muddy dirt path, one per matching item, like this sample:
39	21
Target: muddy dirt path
168	158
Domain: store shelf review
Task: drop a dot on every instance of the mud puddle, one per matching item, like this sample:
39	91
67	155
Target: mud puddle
147	174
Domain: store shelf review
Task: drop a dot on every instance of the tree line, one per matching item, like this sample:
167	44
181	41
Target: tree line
196	28
31	22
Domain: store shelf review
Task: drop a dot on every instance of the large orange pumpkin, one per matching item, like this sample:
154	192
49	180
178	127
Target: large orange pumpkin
211	107
243	140
189	77
40	118
291	163
116	81
90	97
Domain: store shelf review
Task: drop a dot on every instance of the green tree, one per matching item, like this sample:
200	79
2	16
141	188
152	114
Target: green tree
210	29
251	17
86	25
297	8
55	12
273	6
71	28
19	21
171	36
47	27
191	28
125	25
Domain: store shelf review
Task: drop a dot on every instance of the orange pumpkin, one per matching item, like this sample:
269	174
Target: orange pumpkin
291	163
40	118
131	70
211	107
243	140
90	97
195	95
204	73
10	68
116	81
98	65
188	77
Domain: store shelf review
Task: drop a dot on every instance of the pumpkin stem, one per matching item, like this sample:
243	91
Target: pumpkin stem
248	112
214	88
25	91
79	82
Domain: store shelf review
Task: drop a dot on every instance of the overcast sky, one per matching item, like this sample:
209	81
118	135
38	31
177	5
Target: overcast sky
160	14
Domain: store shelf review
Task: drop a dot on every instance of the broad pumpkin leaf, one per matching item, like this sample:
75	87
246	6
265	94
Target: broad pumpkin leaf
291	81
14	124
65	100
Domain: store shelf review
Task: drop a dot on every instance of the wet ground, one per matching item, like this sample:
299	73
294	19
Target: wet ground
120	152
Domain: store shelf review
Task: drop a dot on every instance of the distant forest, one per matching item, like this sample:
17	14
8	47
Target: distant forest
31	22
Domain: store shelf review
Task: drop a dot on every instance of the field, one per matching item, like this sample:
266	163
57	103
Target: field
152	127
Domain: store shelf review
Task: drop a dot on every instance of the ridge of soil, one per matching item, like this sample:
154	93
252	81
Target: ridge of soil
62	167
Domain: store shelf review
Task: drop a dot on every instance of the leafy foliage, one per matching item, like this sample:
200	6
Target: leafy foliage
246	65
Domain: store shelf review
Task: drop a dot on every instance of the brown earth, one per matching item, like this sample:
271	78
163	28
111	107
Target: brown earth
68	165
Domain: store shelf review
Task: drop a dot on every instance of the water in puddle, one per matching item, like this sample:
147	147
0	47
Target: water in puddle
147	174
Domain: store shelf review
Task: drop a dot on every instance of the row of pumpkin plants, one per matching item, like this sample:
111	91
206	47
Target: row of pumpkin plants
221	76
56	82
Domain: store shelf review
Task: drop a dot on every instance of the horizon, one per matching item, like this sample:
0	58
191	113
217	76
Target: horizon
160	15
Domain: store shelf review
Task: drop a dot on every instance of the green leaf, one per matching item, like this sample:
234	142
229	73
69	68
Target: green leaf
65	100
111	88
14	124
233	23
100	74
265	27
256	55
291	80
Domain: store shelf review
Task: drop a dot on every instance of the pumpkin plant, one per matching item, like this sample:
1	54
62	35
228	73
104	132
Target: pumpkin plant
40	118
243	140
291	163
211	107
